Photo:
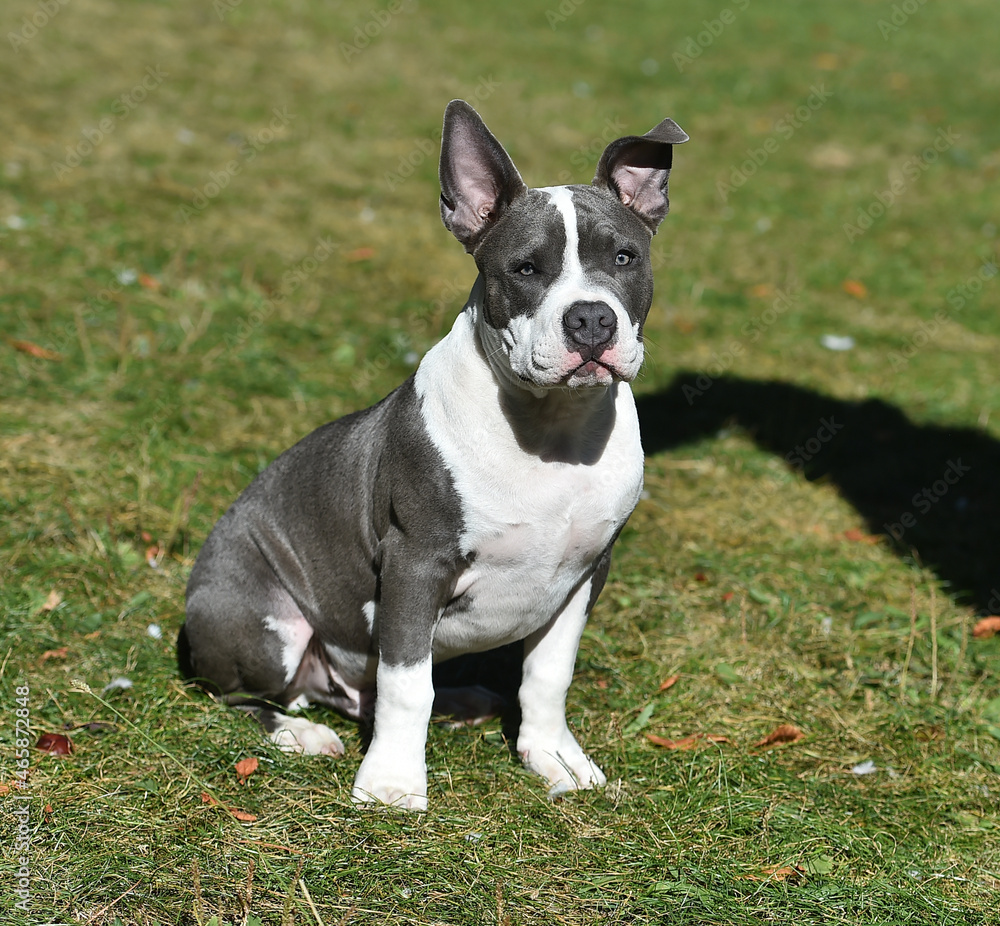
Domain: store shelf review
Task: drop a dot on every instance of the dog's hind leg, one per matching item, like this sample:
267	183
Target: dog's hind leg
256	662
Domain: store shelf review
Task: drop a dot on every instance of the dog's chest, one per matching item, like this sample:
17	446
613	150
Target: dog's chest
533	529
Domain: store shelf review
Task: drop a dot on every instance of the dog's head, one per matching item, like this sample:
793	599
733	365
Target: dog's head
566	278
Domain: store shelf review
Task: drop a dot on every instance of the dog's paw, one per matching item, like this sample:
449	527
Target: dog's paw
391	783
296	734
561	762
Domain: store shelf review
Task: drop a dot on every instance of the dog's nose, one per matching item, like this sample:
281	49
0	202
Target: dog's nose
590	324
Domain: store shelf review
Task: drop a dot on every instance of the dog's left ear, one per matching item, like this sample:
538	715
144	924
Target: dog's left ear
636	169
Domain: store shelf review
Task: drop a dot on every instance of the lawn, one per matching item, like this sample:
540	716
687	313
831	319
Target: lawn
219	229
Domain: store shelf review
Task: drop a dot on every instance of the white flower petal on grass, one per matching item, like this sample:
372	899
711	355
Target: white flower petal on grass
837	341
864	768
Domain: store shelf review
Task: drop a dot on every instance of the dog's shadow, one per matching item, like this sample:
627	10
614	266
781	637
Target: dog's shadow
932	491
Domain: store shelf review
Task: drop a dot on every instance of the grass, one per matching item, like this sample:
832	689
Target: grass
250	246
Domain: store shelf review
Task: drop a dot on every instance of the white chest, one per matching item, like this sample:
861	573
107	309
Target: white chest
533	528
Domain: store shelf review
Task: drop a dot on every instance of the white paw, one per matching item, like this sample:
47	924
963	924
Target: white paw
296	734
561	762
390	782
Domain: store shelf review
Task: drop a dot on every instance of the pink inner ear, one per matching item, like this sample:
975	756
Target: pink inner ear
630	180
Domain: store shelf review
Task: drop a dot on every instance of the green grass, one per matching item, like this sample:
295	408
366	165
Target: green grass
199	332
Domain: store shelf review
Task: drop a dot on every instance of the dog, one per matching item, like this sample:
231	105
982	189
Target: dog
473	507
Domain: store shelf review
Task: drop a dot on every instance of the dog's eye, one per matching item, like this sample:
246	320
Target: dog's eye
526	269
623	258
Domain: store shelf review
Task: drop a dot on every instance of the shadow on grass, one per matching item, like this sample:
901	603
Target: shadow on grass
932	491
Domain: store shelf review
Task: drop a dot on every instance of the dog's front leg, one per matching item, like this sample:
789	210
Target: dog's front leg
394	771
545	742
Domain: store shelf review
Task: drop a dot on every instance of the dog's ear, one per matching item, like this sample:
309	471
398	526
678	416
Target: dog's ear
478	178
636	169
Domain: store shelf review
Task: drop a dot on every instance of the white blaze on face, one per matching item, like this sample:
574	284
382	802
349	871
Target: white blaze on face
535	343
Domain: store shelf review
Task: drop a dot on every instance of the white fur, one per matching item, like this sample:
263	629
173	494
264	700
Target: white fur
294	633
536	527
545	742
296	734
394	771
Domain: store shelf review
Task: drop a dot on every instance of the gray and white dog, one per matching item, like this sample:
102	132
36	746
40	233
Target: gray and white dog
474	506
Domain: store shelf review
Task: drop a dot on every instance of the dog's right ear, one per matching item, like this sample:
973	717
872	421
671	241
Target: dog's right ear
478	178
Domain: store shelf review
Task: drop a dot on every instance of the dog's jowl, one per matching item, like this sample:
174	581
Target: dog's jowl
474	506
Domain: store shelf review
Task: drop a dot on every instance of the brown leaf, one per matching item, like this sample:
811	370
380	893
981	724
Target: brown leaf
149	282
778	873
4	790
859	536
785	733
986	627
687	742
57	744
28	347
60	653
246	767
207	798
359	254
244	816
668	682
855	288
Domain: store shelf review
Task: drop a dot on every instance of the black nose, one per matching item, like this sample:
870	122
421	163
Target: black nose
590	324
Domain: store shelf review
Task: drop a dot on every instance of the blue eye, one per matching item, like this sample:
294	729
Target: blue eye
623	258
526	269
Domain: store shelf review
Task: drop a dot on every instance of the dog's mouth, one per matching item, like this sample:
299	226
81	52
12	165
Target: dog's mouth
593	372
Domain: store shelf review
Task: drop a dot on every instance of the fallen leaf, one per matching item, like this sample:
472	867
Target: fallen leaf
53	601
859	536
700	577
60	653
855	288
47	808
729	596
687	742
785	733
359	254
4	790
27	347
243	815
149	282
602	683
668	683
986	627
777	873
56	744
246	767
